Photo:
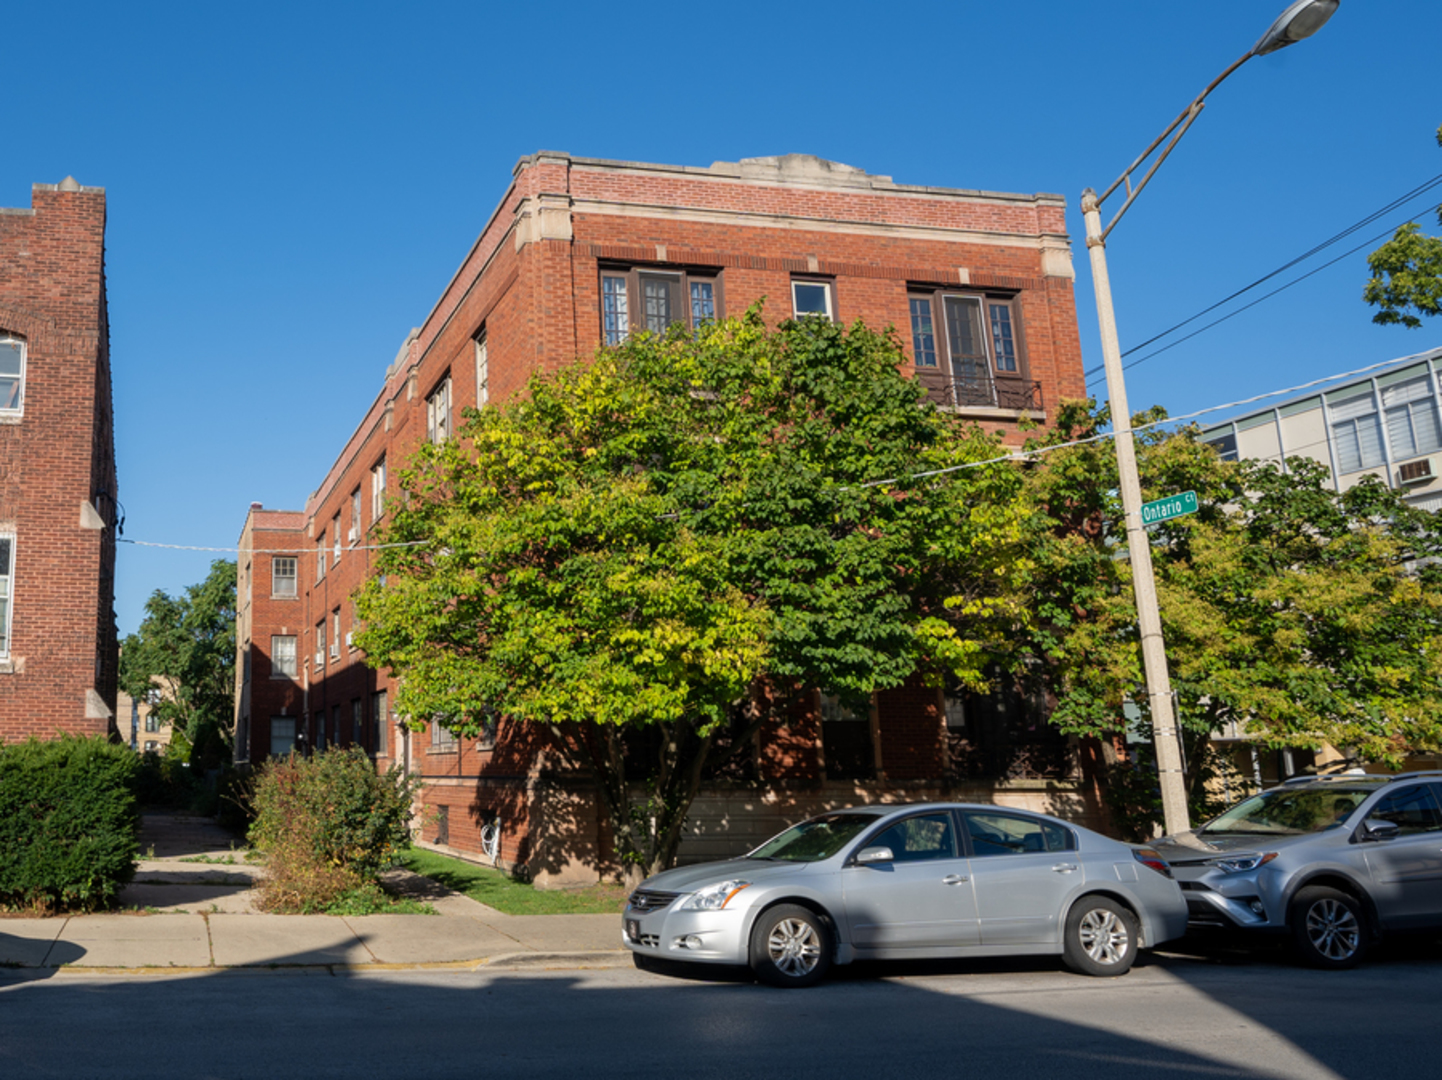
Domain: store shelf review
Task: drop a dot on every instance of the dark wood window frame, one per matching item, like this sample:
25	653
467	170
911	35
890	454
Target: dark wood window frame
972	364
640	301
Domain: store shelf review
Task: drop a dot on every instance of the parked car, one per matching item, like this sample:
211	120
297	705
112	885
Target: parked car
909	882
1334	862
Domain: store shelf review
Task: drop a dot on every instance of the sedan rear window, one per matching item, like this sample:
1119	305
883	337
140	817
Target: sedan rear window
814	840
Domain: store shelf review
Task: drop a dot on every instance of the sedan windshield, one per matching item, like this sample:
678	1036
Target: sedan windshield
814	840
1290	812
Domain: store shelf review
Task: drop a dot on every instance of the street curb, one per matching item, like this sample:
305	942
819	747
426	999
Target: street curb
592	959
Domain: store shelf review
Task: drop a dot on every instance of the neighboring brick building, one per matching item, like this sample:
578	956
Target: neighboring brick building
57	468
578	252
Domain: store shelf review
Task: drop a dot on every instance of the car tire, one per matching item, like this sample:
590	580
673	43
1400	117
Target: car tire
791	947
1329	927
1100	937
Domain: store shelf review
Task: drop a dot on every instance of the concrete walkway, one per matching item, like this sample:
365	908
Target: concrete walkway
191	907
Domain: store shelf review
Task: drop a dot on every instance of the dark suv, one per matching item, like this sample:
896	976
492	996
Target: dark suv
1333	861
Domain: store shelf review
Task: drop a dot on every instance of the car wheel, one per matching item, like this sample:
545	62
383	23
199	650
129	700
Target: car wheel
1329	927
791	947
1101	937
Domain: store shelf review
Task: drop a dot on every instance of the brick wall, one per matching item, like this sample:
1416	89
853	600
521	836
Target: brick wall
531	283
58	493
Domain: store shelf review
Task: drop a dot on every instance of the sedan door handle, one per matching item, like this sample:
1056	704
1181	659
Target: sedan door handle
1064	867
954	879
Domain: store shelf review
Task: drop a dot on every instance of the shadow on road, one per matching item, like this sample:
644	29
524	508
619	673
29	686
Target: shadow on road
1201	1013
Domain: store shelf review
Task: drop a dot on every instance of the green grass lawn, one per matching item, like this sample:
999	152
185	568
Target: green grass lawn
495	889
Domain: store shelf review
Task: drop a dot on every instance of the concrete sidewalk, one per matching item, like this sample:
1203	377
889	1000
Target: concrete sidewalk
191	907
195	941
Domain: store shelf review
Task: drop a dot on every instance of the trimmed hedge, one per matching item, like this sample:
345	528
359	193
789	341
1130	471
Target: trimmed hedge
67	822
327	824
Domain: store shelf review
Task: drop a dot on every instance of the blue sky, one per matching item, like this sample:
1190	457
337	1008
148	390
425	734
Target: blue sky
291	186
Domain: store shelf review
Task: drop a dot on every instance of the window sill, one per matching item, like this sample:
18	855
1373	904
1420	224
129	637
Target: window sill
11	418
12	667
441	750
988	412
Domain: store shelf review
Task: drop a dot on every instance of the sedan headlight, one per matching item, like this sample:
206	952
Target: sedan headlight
1240	864
713	897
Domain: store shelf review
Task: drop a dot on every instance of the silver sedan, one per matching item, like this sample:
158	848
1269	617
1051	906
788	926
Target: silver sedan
911	882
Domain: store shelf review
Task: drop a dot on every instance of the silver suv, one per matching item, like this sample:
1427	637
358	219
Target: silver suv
1333	861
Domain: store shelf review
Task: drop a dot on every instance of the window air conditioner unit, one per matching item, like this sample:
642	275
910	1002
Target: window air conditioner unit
335	651
351	534
1415	472
350	639
319	658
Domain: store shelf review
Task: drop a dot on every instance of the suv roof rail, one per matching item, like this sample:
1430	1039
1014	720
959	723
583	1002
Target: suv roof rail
1350	775
1415	775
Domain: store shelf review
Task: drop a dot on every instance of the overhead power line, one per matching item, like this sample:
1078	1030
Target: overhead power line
1420	189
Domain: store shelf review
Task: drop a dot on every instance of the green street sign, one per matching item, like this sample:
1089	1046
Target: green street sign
1170	507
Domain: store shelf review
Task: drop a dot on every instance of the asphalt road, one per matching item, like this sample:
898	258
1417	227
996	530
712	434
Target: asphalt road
1210	1015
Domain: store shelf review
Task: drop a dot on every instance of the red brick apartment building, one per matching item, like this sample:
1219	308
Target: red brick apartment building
57	468
579	252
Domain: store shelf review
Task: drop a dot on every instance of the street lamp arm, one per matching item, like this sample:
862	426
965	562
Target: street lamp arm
1184	121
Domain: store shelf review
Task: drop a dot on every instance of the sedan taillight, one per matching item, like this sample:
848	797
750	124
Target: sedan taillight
1147	857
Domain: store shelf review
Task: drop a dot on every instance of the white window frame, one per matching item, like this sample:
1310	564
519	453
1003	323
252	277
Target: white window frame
277	670
7	596
16	409
355	517
335	538
378	489
320	644
335	634
438	412
829	290
483	371
320	558
276	577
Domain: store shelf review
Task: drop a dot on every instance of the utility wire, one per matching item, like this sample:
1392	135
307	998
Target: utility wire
1265	296
1420	189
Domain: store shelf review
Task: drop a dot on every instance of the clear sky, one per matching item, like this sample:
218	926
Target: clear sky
291	185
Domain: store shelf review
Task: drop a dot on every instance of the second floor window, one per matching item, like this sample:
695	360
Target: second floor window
320	557
12	374
483	371
970	344
335	539
378	490
282	576
355	516
656	300
438	412
282	656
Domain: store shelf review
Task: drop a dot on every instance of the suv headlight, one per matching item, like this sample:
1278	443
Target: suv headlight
713	897
1240	864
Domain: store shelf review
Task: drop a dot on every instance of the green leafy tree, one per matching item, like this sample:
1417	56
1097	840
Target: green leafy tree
1302	615
183	658
649	553
1406	280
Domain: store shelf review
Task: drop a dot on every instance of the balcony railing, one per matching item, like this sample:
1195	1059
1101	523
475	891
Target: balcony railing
1021	395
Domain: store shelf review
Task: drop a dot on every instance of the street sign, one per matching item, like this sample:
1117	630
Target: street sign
1170	507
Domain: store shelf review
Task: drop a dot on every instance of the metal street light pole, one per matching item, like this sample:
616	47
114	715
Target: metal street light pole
1301	19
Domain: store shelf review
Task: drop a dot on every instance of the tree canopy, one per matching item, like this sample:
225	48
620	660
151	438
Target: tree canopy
682	530
1406	282
1300	614
183	658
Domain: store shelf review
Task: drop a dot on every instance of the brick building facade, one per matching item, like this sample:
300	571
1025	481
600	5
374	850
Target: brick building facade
57	468
580	251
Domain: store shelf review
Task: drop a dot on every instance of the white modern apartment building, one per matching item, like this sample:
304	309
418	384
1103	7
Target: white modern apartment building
1386	424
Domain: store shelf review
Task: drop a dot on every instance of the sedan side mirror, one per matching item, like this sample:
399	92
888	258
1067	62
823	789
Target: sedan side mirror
876	854
1377	829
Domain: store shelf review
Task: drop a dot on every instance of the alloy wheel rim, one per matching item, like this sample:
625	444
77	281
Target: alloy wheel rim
794	947
1333	930
1104	937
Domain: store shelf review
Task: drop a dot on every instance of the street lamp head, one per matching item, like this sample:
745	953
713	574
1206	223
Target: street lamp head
1302	19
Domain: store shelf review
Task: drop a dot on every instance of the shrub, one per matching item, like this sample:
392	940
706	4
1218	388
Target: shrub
67	822
327	824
